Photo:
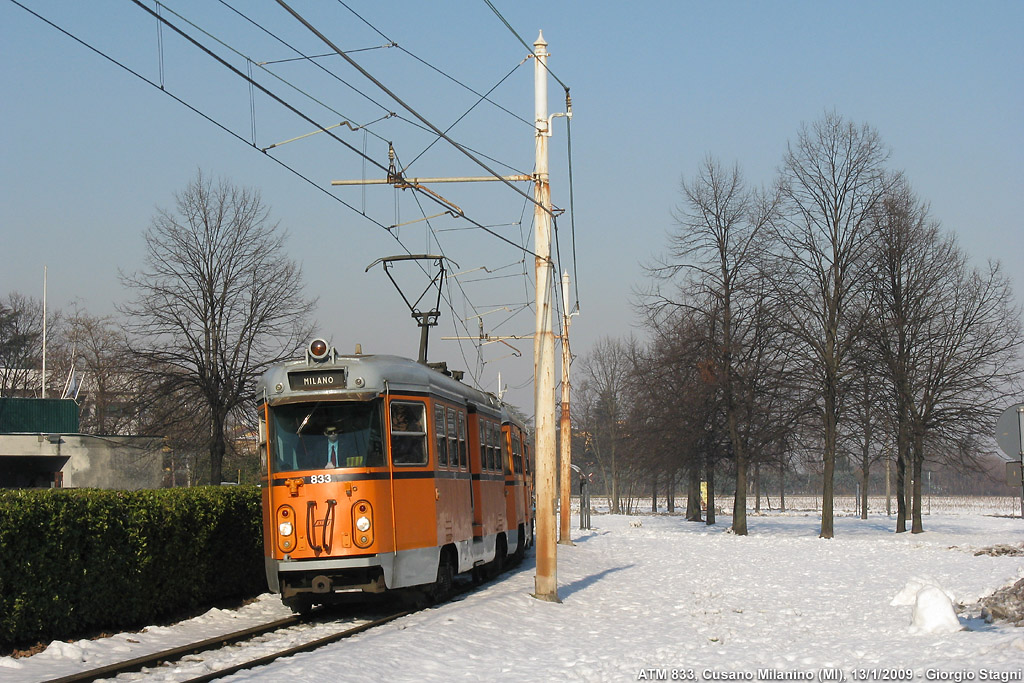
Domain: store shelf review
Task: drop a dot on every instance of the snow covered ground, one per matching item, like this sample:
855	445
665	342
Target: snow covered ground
671	600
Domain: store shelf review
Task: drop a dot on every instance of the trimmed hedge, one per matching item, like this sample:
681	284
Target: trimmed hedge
78	561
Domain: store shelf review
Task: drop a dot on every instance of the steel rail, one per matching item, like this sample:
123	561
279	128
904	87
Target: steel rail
177	652
298	649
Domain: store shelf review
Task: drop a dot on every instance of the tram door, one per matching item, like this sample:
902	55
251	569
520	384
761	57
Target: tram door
412	481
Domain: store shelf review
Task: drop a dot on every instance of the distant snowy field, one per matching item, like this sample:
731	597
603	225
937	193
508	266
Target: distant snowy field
676	600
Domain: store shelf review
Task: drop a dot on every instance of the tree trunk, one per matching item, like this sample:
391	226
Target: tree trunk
865	474
218	447
693	513
739	501
616	506
916	525
901	489
757	487
670	492
710	473
654	493
829	462
888	487
782	485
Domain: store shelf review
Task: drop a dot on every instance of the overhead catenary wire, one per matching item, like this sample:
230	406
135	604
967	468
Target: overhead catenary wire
327	54
206	117
327	41
568	105
236	136
311	121
262	65
193	109
333	75
431	66
529	48
252	84
464	115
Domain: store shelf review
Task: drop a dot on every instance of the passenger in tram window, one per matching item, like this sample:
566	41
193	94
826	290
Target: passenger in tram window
333	447
407	434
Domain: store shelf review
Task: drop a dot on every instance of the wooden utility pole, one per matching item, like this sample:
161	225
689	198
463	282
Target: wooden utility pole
565	452
545	583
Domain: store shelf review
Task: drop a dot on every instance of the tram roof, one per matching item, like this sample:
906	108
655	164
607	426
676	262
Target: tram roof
377	372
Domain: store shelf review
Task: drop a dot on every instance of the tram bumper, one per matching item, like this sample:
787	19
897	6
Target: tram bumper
366	573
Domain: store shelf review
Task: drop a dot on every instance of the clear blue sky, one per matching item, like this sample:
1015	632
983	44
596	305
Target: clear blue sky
89	151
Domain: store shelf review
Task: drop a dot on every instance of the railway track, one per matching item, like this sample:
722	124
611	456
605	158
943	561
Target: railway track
166	660
175	662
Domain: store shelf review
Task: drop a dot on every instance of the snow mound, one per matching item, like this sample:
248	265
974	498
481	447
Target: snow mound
908	596
933	612
61	650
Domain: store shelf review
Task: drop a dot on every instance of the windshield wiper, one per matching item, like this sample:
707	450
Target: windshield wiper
305	420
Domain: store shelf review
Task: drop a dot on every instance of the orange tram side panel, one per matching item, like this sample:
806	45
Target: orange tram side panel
381	473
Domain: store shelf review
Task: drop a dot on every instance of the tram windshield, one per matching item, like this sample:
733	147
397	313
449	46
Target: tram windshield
325	435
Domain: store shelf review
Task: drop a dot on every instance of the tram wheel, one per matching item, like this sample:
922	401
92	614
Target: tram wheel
300	604
497	565
442	588
520	551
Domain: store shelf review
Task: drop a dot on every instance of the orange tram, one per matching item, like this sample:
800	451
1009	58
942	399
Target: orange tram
382	473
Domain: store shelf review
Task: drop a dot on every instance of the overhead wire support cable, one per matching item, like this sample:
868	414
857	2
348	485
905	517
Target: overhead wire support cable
572	203
400	101
311	121
431	66
568	106
335	76
529	48
326	54
307	58
242	75
196	111
464	115
291	85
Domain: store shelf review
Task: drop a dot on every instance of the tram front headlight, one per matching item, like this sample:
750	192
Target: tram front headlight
363	524
285	528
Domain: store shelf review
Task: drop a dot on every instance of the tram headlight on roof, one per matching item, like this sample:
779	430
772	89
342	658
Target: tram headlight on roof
363	524
319	349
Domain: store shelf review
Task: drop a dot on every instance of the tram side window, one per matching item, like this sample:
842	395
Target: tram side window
453	441
495	443
484	450
262	444
486	444
517	454
440	439
408	435
463	446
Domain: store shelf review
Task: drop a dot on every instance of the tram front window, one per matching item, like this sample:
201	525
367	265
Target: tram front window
314	436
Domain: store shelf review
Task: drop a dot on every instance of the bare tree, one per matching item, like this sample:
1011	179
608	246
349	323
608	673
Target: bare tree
833	181
21	331
604	406
949	339
716	253
217	303
911	263
667	400
101	375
